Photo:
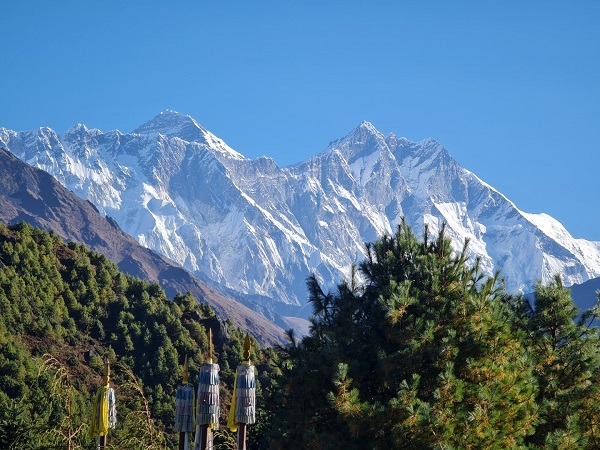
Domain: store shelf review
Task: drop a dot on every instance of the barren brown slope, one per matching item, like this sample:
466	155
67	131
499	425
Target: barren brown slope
33	196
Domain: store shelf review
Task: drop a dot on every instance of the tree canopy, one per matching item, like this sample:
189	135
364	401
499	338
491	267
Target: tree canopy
419	350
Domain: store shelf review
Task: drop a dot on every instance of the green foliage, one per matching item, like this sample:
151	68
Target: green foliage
64	300
427	353
417	349
17	431
566	353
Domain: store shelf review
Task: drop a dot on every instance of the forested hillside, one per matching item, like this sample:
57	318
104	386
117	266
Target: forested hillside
63	310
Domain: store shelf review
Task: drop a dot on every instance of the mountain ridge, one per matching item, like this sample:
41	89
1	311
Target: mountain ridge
33	196
260	229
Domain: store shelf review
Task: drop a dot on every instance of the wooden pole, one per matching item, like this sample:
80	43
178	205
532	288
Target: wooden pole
241	437
102	442
204	438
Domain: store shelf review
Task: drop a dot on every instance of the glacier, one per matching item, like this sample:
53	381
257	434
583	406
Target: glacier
259	229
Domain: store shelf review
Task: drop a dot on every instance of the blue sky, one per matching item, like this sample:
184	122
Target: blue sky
511	88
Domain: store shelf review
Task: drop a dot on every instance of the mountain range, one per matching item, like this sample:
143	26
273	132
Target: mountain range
33	196
257	229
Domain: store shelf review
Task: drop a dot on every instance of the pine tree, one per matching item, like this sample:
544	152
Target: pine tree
421	355
566	349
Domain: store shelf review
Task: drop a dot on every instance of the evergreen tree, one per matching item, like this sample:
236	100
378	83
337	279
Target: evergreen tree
422	355
566	350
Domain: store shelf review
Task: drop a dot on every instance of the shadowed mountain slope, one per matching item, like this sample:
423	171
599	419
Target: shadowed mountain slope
33	196
585	294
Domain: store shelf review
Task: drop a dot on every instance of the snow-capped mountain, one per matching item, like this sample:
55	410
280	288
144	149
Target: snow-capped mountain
260	229
31	195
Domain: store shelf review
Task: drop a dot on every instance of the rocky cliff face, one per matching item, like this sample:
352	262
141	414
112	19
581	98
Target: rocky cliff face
260	229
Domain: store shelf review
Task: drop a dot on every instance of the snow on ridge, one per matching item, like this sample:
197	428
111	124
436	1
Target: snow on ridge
262	229
218	144
172	124
585	250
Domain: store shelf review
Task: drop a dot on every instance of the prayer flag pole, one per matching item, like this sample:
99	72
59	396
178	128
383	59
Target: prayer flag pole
243	404
184	409
104	412
105	381
207	416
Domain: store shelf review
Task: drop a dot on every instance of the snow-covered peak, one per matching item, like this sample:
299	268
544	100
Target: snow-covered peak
42	131
363	141
367	126
363	132
431	143
44	136
80	132
171	123
426	149
76	129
